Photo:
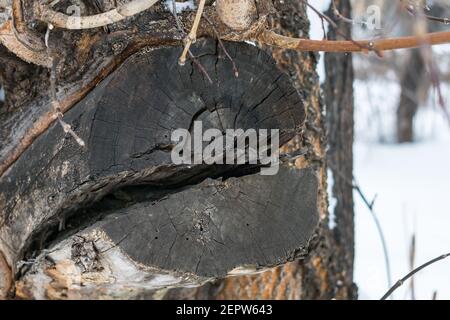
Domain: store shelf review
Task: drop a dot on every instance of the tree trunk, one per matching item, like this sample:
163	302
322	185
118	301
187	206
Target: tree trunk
340	114
116	218
409	98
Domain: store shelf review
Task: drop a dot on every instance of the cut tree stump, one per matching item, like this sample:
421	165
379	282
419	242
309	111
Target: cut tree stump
118	217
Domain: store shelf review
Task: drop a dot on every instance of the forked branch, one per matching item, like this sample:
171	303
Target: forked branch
192	36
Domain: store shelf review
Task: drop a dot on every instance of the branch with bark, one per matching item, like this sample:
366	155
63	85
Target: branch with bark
238	16
60	20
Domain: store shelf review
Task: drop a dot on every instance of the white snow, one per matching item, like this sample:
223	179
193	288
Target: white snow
181	6
411	183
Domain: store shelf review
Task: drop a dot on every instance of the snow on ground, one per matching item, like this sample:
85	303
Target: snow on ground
411	182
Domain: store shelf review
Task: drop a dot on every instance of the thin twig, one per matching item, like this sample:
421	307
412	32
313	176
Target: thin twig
426	50
370	205
61	20
412	273
192	36
367	47
235	69
266	36
191	55
200	66
58	115
413	11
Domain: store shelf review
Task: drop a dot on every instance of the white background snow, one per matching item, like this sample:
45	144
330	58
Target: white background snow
411	182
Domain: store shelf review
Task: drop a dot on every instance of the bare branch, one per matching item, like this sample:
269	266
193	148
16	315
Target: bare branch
271	38
192	36
17	44
191	56
60	20
412	273
58	115
370	206
235	69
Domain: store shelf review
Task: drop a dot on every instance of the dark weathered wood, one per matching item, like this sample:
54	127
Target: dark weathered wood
85	59
325	273
217	226
84	262
57	188
209	231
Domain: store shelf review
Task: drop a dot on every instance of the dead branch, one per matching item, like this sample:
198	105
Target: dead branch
192	36
370	205
191	56
31	49
269	37
412	273
235	69
60	20
58	115
23	45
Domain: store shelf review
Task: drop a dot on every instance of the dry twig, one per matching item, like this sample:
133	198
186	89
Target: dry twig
58	115
191	56
370	205
192	36
62	20
412	273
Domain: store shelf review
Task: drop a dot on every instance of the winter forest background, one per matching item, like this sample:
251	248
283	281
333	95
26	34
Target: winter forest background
411	181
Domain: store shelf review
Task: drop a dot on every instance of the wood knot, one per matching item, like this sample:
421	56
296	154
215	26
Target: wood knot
237	14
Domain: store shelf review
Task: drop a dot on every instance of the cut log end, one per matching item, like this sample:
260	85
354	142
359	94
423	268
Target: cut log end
213	230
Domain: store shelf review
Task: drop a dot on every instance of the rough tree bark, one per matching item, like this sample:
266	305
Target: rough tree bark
117	219
340	120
